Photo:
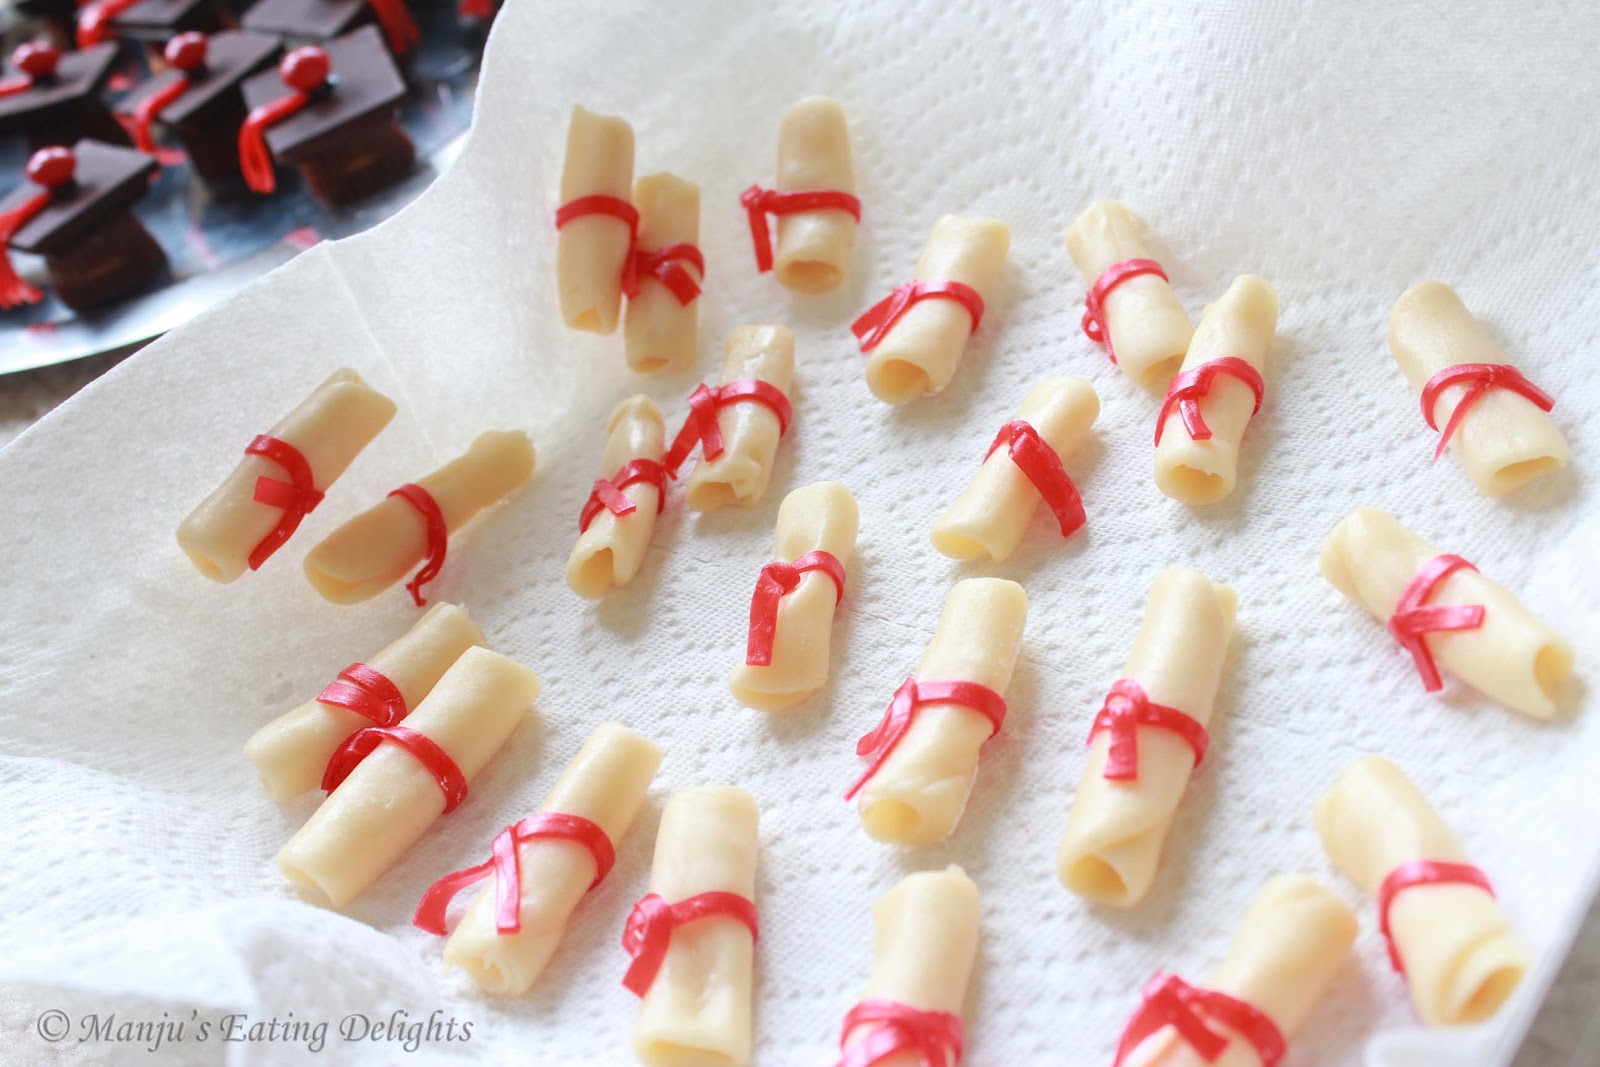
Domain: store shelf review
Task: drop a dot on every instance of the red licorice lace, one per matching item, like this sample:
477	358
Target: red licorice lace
874	324
877	745
1126	709
759	203
778	579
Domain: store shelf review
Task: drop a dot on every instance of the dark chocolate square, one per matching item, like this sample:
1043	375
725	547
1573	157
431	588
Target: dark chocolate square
109	181
308	20
79	77
368	87
157	20
231	57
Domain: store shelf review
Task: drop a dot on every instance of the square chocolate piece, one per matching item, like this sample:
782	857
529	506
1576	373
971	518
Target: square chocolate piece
303	21
154	21
367	88
65	106
107	182
231	57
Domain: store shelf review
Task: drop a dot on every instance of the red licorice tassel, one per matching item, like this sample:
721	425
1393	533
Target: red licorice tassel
51	168
1421	872
399	28
438	537
185	53
505	863
94	21
304	71
36	61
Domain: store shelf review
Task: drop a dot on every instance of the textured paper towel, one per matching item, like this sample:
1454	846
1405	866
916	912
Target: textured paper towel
1343	151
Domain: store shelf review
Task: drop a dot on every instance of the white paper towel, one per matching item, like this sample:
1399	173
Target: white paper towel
1343	151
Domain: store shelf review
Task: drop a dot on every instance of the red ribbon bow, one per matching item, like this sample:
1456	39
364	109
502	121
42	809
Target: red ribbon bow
1414	617
912	694
36	61
759	203
52	169
399	28
1422	872
297	497
777	579
666	265
1190	387
648	932
185	53
434	759
607	493
700	427
1170	1001
368	693
1479	378
305	71
1126	709
895	1028
876	322
506	864
1039	462
94	21
438	537
1094	322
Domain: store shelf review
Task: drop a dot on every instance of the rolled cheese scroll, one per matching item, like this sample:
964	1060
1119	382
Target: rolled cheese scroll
1213	398
597	223
375	549
696	1004
611	546
916	336
1144	745
1133	311
925	751
1447	935
739	424
1509	655
791	615
291	751
386	803
814	200
605	784
924	942
660	328
1493	418
1290	945
990	517
255	509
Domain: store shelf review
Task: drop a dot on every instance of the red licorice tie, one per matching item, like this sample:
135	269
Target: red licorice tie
1094	323
36	61
759	203
94	21
1170	1001
185	53
51	169
616	208
669	266
438	537
1190	387
399	28
874	325
912	694
506	865
368	693
648	933
305	71
1039	462
701	425
435	760
297	497
776	580
1479	378
1414	618
607	493
894	1028
1125	710
1417	873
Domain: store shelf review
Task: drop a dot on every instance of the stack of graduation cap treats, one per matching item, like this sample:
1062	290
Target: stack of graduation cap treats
311	84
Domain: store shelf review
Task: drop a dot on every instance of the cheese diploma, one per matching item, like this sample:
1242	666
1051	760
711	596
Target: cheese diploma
618	519
596	223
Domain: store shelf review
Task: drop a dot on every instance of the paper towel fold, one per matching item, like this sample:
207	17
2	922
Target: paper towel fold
1343	151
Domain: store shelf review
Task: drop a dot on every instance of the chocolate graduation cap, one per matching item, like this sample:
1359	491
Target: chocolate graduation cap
199	99
53	97
331	112
75	210
151	21
315	21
